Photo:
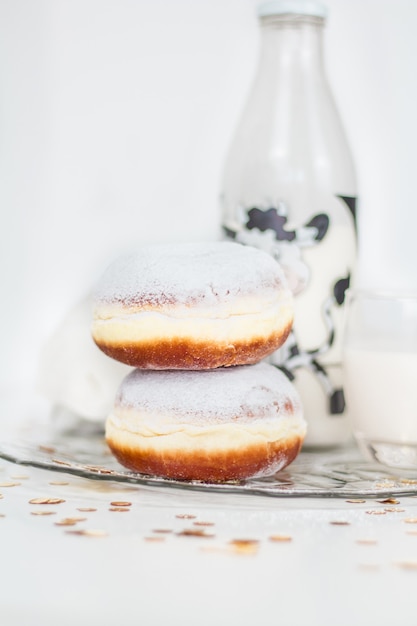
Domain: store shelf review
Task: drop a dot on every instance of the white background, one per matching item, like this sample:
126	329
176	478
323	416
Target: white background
115	116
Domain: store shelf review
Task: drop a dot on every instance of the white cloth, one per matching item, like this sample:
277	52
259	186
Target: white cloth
73	373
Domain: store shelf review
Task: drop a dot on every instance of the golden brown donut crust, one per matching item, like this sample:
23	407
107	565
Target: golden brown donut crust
194	355
210	466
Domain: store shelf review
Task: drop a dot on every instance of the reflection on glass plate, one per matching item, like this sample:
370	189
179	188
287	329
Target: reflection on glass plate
82	451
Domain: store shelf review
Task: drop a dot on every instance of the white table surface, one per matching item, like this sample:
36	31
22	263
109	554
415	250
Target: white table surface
341	565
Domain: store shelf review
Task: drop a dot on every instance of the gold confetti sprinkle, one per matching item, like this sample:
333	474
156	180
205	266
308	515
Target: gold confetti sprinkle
118	504
366	542
376	512
410	520
247	550
411	532
340	522
86	509
48	449
118	509
185	516
98	470
194	532
19	477
394	509
407	565
59	483
10	484
162	531
280	538
1	496
408	481
70	521
203	523
154	539
356	501
43	512
88	532
244	546
59	462
46	501
369	566
2	515
389	501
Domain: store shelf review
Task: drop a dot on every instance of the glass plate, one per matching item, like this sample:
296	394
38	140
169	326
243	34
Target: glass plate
82	451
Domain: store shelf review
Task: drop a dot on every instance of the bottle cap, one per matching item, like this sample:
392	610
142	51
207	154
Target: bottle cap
294	7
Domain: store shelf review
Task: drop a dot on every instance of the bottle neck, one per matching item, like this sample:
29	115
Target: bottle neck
292	42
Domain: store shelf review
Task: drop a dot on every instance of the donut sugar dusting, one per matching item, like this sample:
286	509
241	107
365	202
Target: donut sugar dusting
192	306
226	424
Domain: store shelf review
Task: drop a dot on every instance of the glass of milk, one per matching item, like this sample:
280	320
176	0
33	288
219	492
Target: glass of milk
380	367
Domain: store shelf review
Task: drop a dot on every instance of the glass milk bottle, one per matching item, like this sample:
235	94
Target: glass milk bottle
289	188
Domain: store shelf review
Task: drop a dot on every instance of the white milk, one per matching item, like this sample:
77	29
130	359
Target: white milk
381	394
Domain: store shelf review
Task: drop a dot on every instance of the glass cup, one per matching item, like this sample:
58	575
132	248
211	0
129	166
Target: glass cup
380	374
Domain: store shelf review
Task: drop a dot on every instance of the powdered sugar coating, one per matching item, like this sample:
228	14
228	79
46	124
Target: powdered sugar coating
246	393
209	272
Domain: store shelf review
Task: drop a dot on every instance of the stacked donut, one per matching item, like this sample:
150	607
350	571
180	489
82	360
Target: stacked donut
195	320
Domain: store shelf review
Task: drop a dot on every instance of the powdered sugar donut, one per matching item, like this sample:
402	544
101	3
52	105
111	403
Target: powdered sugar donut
192	306
216	425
